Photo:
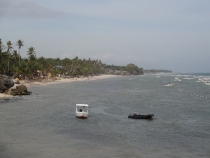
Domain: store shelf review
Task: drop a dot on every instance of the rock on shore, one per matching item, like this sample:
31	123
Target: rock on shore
20	90
5	83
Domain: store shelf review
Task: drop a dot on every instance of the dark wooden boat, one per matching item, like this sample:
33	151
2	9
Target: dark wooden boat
138	116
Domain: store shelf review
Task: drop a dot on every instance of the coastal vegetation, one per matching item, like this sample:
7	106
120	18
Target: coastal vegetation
13	64
130	69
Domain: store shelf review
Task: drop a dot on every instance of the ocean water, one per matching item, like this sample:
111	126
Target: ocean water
43	125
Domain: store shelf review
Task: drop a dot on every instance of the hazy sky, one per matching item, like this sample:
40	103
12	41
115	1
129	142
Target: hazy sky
159	34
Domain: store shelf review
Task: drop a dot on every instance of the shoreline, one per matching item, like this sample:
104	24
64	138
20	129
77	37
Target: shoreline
32	83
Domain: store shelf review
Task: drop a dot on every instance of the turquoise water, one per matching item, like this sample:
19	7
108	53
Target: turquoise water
44	124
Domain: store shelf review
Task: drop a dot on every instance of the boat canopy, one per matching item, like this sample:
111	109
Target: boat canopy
86	105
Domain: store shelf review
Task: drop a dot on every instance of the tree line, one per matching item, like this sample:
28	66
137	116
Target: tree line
13	64
129	69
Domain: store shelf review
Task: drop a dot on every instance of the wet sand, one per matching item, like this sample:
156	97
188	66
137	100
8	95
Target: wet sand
63	80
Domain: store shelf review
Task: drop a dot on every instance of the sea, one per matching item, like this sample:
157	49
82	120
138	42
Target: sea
43	124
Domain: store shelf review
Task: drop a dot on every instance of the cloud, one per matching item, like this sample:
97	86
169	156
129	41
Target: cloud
144	11
26	9
151	34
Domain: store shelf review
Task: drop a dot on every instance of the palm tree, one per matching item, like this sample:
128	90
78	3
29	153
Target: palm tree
75	65
42	63
1	46
31	51
9	46
9	56
1	49
32	59
15	55
20	44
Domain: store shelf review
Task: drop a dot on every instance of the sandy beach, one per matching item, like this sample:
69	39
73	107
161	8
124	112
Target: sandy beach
30	83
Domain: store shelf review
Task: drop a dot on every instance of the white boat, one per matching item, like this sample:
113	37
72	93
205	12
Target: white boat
82	110
177	79
168	84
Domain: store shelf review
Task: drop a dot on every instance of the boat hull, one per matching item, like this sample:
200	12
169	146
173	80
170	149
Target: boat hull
149	116
169	85
82	115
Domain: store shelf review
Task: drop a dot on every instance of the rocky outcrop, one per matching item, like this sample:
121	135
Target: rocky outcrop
5	83
20	90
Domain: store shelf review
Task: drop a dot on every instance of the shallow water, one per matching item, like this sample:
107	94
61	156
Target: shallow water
44	125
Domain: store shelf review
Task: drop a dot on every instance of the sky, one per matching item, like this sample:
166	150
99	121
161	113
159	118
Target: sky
152	34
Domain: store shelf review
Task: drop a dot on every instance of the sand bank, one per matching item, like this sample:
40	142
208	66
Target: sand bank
5	96
30	83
